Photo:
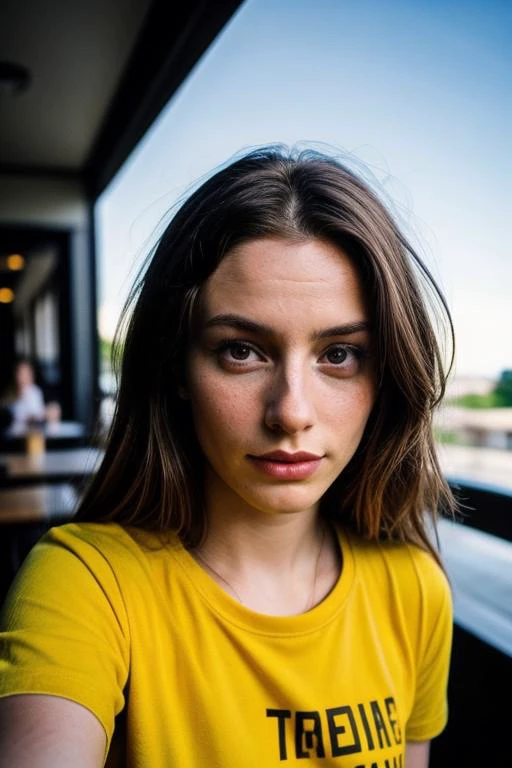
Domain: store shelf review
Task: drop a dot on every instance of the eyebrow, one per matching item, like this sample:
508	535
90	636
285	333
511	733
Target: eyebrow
244	324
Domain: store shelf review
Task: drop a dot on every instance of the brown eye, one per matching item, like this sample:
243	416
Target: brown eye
233	353
343	359
337	355
239	351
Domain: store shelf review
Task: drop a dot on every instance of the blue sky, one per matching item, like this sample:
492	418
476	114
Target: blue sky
416	91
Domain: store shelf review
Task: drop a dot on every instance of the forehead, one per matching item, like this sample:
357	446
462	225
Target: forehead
278	277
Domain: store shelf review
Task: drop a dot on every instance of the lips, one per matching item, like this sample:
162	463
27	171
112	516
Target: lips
287	458
287	466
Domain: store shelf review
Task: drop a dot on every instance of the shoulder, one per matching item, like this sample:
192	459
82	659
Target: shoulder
429	575
107	540
84	570
404	563
93	559
105	547
407	577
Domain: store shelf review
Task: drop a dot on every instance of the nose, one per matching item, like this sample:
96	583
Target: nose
289	407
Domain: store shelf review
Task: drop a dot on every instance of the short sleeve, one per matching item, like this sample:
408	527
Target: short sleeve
63	628
430	709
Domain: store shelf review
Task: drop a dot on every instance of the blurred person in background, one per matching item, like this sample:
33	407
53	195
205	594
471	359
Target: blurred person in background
25	398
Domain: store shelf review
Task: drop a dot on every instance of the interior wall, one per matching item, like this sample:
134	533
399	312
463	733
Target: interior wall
43	201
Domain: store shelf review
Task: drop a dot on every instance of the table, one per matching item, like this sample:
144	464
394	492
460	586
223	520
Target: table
72	465
58	435
38	503
37	492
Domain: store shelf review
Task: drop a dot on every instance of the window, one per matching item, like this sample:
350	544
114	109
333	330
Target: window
418	93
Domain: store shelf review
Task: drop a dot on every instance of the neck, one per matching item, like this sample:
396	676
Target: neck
249	538
275	563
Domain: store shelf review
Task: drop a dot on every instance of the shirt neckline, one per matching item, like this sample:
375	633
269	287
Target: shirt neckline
231	610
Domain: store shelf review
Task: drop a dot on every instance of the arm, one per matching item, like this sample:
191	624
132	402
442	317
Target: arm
416	754
39	731
64	649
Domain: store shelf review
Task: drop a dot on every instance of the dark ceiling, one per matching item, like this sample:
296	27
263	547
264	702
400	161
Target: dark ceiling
101	70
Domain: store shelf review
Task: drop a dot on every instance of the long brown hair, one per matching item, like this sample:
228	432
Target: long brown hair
151	475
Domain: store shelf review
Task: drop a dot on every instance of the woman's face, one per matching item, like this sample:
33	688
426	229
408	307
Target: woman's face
280	373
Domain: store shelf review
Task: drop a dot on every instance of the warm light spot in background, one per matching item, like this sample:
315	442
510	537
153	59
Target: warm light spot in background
6	296
15	262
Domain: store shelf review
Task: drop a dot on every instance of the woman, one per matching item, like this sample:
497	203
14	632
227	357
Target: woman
27	403
251	580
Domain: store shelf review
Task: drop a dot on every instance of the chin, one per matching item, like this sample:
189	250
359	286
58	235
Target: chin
285	501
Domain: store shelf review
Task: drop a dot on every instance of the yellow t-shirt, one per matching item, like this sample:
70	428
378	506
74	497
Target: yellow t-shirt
112	619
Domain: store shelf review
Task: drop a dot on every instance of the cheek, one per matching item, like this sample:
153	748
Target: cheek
349	412
365	402
219	413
